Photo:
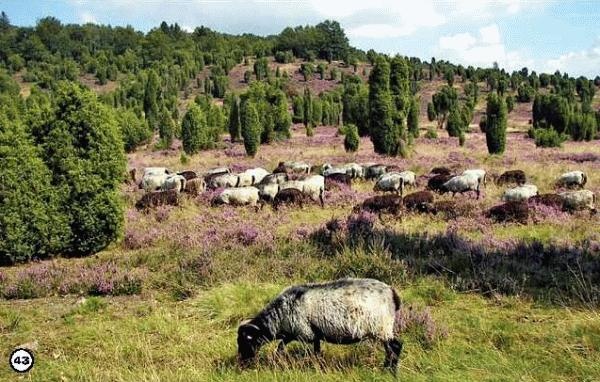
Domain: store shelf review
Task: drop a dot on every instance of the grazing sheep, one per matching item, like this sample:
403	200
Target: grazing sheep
579	200
290	196
520	193
237	196
480	174
392	182
354	170
333	181
512	176
267	192
258	174
314	187
572	179
218	170
390	203
392	168
188	175
245	180
195	186
293	167
296	184
550	200
277	178
158	198
463	183
223	181
437	182
153	178
410	178
517	211
174	182
341	312
440	171
375	171
421	201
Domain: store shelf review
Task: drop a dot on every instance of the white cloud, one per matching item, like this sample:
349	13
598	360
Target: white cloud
584	62
87	17
482	51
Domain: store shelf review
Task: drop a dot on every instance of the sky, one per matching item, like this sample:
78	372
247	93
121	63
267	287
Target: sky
544	35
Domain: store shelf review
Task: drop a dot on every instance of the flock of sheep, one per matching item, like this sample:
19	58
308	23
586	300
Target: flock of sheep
298	183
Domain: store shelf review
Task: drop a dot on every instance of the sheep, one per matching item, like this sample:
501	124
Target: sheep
512	176
579	200
314	187
258	174
572	179
237	196
267	192
390	203
440	171
410	178
421	201
343	311
437	182
463	183
375	171
520	193
277	178
334	180
173	182
218	170
245	179
550	200
294	167
188	175
392	182
195	186
289	196
223	181
153	178
478	173
517	211
158	198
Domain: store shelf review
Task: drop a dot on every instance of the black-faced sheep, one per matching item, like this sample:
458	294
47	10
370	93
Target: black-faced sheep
344	311
420	201
510	212
512	177
391	204
158	198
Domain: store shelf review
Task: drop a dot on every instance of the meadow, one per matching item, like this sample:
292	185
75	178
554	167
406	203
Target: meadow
483	301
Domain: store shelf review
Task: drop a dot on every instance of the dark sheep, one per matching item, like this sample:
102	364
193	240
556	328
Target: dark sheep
420	201
391	204
512	176
550	200
188	175
441	171
280	169
437	183
290	196
195	186
158	198
510	212
209	177
333	181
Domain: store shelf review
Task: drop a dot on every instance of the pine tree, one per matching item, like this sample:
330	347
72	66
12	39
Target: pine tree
235	124
413	117
166	128
351	138
431	115
384	135
281	117
308	107
250	128
495	131
150	98
194	130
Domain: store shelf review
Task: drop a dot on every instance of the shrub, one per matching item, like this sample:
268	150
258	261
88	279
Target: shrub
412	119
495	131
455	123
284	57
431	115
194	131
135	130
250	128
548	138
525	93
351	138
431	133
510	103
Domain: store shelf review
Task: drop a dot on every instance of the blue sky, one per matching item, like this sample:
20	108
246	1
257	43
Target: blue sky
544	35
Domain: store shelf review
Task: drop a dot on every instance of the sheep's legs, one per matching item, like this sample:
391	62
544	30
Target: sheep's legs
317	346
393	348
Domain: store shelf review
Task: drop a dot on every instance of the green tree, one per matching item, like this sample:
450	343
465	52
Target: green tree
455	123
250	128
82	146
151	93
166	128
431	115
195	133
298	108
281	117
235	124
308	107
495	130
444	101
384	134
351	138
134	130
412	119
510	103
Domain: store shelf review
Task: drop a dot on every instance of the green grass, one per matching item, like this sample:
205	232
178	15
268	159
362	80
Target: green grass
154	338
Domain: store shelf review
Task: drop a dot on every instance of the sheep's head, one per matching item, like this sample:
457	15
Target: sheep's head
250	339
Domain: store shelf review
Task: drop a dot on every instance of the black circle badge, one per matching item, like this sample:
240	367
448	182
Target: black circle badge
21	360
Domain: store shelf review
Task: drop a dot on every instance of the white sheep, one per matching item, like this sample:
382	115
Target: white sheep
153	178
342	312
520	193
224	181
579	200
572	179
258	173
478	173
268	191
390	182
174	182
238	196
463	183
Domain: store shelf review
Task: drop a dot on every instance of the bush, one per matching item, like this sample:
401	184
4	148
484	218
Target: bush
195	133
412	119
250	128
548	138
135	130
495	131
525	93
284	57
510	103
431	115
455	123
351	139
431	133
